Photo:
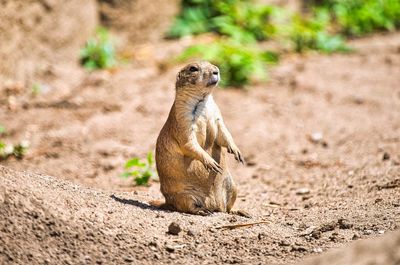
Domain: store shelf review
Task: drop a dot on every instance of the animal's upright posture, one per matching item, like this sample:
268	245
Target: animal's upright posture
191	147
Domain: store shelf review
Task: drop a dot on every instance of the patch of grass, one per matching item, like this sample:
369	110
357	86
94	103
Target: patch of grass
141	172
238	64
99	52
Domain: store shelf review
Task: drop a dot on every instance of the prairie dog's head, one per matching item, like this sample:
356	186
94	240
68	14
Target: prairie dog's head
198	76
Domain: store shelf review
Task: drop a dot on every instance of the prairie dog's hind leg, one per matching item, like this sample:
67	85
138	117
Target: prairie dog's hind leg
231	195
186	202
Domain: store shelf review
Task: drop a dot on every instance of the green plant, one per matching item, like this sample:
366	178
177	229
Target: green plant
140	171
99	52
238	64
359	17
312	33
7	150
240	19
18	151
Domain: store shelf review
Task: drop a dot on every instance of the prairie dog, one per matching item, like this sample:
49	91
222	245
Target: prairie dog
191	147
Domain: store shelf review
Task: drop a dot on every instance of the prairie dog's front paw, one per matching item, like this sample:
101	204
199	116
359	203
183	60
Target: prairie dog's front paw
236	152
211	164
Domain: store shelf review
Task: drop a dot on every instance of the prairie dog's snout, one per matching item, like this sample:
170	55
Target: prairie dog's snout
214	79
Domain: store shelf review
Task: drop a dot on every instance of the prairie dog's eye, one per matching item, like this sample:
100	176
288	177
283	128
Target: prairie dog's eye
193	69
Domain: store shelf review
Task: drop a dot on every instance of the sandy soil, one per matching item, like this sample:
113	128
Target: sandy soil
316	195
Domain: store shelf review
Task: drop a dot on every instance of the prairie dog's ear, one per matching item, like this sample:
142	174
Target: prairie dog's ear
178	76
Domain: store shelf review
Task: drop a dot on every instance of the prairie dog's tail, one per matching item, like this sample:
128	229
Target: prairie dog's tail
161	205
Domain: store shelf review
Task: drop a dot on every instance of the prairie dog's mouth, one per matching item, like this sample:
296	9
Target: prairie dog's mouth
213	80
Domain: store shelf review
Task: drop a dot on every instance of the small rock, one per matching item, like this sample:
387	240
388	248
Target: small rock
316	137
327	227
316	234
190	233
344	224
298	248
302	191
381	232
284	243
170	248
385	156
174	229
128	259
317	250
368	232
356	236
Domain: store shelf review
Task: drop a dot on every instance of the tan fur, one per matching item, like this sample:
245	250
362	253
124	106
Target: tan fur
191	147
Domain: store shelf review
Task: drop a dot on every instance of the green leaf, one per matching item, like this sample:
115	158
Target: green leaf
134	162
143	180
150	160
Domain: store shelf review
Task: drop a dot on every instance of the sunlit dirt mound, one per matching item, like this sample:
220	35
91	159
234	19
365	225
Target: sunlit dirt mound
382	251
49	221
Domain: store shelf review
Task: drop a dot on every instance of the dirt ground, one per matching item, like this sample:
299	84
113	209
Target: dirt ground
315	194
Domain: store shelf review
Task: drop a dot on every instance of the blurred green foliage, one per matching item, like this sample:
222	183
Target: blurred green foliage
238	64
312	33
140	171
99	52
240	19
241	24
360	17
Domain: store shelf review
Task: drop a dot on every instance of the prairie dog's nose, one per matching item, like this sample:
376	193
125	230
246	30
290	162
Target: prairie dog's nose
215	71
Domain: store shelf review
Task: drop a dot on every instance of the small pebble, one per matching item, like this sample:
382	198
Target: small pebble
317	250
302	191
174	229
190	233
344	224
385	156
316	137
